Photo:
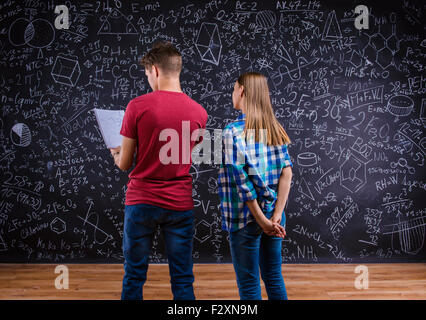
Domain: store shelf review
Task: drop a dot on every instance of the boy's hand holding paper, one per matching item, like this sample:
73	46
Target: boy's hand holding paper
109	122
115	151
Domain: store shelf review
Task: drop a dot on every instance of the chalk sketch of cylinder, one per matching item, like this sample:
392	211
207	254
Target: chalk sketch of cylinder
66	70
307	159
400	105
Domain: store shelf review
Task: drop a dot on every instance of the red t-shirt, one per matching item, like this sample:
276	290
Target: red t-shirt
163	123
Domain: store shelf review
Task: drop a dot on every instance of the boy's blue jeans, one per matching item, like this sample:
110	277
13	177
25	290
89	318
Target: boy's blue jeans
140	225
251	248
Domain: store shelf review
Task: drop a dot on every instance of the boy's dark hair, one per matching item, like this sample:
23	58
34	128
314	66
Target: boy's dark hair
165	56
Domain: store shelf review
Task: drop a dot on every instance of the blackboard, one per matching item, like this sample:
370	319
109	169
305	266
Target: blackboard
352	101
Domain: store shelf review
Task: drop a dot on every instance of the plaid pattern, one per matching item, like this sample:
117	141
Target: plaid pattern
249	170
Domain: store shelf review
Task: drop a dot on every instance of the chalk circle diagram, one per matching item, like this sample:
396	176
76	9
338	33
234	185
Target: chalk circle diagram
266	19
117	24
400	106
38	33
20	135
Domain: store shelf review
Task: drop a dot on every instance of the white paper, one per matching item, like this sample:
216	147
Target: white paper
109	122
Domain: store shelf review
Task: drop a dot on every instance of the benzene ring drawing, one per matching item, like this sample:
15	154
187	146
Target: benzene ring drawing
58	225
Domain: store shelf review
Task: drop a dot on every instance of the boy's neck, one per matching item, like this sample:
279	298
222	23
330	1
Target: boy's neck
169	84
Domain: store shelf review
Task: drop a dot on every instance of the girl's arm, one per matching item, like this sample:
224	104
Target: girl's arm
282	196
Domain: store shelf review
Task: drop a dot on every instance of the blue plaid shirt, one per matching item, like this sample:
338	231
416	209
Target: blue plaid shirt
249	170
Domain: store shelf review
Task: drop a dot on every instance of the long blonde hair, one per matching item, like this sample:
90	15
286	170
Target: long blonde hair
259	112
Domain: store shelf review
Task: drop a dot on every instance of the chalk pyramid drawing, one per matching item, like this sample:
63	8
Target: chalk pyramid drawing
117	23
331	29
282	52
208	43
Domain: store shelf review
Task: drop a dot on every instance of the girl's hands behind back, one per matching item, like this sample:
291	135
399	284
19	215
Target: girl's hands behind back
274	229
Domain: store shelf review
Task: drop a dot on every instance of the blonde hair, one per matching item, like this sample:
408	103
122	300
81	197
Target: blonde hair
259	112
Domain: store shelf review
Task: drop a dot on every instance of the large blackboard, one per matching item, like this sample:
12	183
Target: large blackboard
352	101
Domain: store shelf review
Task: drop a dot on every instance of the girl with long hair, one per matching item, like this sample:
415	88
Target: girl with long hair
254	183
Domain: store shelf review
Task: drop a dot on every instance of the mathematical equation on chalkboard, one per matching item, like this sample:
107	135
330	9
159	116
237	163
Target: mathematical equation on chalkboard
350	92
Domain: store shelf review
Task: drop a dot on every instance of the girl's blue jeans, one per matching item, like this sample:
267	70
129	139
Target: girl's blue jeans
251	250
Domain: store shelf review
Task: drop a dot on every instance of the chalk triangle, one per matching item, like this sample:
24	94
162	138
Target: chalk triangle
331	28
40	54
305	190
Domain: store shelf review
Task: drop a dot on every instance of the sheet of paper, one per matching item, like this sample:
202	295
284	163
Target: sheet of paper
109	122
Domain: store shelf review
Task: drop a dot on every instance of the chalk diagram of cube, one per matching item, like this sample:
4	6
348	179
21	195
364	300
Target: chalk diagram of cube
353	174
202	231
66	70
58	225
208	43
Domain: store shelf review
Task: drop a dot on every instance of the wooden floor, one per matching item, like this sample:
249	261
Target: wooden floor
214	281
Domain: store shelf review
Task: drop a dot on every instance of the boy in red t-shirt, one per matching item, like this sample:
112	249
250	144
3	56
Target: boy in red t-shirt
162	127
